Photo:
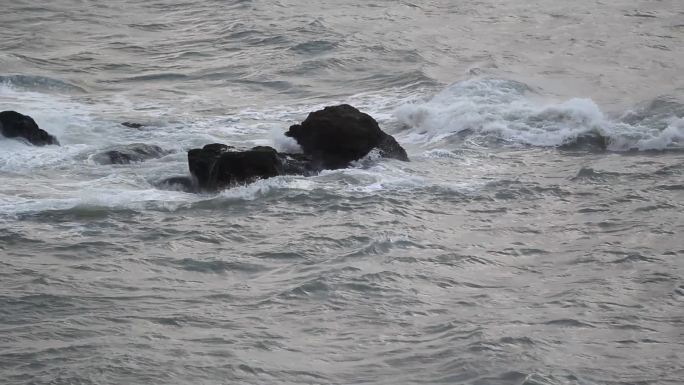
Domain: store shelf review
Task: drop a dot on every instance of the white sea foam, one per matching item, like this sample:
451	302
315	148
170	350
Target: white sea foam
284	143
264	187
56	178
672	136
507	111
69	121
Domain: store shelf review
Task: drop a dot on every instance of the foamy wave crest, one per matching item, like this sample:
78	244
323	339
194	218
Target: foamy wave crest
94	198
264	187
504	111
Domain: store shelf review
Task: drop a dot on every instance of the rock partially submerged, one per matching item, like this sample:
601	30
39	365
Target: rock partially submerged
338	135
217	166
16	125
178	183
129	153
331	138
132	125
594	142
202	160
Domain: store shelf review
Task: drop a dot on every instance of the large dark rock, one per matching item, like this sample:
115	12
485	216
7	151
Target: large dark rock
338	135
16	125
238	167
135	152
216	166
201	161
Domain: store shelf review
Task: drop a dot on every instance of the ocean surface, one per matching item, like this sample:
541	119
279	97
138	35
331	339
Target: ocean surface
507	252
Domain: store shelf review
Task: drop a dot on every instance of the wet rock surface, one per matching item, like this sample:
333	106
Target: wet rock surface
130	153
338	135
331	138
16	125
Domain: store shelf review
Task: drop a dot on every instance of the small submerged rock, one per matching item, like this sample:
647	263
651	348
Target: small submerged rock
178	183
16	125
331	138
125	154
587	142
132	125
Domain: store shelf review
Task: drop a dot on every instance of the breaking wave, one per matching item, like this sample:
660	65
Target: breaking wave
496	111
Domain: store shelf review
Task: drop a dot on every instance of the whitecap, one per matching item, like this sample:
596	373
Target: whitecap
496	111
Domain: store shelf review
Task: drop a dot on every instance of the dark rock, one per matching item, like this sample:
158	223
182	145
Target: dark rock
215	166
178	183
218	148
237	167
16	125
136	152
297	164
330	138
132	125
201	160
587	142
337	135
390	148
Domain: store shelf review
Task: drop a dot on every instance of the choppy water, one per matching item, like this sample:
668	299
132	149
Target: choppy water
497	256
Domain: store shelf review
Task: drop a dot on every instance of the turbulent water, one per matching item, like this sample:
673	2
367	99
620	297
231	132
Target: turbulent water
508	251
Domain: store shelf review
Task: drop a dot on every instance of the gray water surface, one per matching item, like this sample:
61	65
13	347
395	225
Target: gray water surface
505	252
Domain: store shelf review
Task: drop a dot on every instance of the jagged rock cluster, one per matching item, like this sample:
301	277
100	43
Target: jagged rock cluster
330	138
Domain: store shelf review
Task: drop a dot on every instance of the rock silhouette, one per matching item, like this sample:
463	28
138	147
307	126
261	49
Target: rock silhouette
331	138
16	125
216	166
338	135
135	152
